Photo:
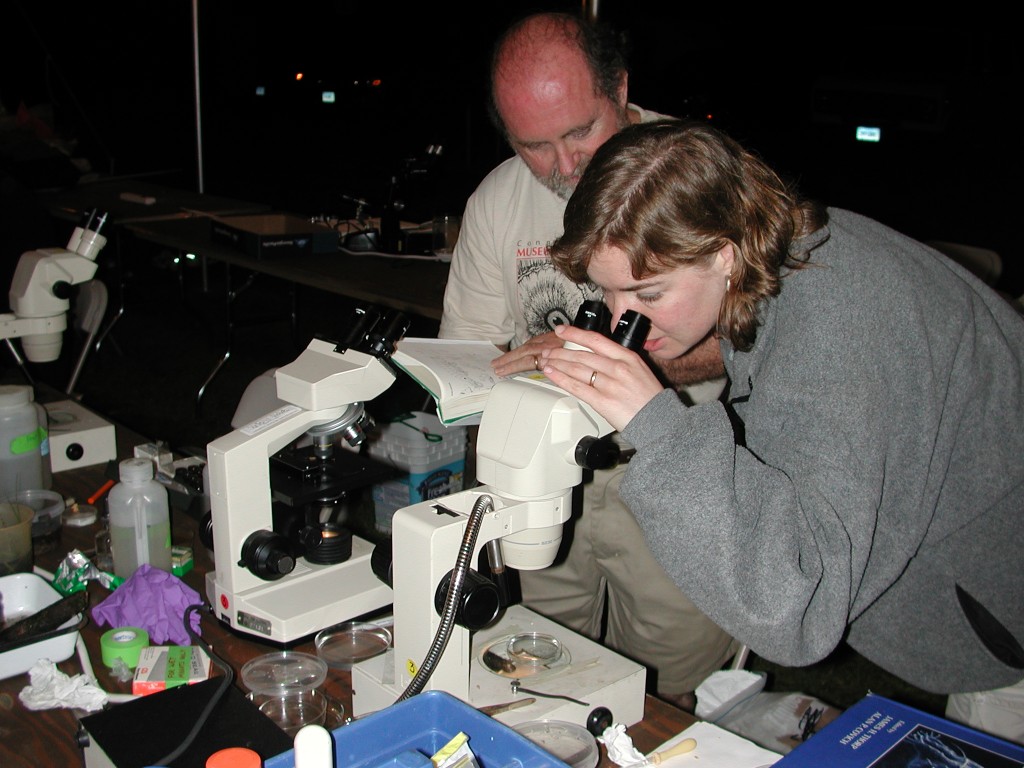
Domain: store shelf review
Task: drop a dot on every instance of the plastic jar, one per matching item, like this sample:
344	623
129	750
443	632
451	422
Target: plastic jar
140	521
20	459
286	687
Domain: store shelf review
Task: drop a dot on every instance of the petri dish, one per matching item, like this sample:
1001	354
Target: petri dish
283	671
572	744
343	645
534	648
496	659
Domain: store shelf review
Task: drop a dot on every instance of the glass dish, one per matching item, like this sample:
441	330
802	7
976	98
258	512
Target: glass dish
343	645
283	671
572	744
495	658
534	648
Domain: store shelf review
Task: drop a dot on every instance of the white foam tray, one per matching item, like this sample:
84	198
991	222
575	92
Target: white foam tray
21	595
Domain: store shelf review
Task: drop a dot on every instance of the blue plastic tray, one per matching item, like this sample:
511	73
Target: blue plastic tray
424	724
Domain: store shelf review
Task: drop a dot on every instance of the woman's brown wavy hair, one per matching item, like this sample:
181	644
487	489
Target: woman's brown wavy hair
672	194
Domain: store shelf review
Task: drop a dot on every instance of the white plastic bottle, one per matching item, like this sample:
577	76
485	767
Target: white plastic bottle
20	460
140	522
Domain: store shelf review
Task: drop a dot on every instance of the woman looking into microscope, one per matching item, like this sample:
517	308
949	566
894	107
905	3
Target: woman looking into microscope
863	479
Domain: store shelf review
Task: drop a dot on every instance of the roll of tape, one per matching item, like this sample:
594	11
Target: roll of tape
125	643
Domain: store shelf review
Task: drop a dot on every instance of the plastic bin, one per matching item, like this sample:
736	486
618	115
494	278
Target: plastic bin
400	734
21	595
434	467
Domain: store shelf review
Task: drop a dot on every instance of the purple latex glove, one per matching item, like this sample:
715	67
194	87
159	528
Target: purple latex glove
152	600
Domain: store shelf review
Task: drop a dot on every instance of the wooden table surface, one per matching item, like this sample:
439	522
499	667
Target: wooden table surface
44	738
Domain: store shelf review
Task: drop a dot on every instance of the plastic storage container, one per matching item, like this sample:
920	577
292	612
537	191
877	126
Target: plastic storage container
432	455
20	453
286	688
48	507
417	728
140	522
22	595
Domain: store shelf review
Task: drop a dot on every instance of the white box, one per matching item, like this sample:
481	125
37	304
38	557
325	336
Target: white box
78	437
161	666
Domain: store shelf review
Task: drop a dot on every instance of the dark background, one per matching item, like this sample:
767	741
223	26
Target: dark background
107	88
118	77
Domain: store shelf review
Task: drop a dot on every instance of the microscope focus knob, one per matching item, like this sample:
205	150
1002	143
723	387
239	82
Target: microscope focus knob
382	562
478	604
267	555
61	289
597	453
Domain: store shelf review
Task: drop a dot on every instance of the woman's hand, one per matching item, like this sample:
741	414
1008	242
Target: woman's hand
527	357
613	380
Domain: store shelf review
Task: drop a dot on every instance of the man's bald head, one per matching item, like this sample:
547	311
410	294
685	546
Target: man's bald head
587	46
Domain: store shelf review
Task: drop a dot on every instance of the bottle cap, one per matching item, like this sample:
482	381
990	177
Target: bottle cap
12	395
135	470
234	757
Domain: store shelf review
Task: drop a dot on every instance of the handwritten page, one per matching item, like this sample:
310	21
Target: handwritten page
461	367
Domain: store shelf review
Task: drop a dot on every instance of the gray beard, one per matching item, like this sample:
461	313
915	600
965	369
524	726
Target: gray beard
563	186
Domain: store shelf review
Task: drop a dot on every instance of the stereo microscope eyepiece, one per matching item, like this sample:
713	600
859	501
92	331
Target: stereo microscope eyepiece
631	330
593	315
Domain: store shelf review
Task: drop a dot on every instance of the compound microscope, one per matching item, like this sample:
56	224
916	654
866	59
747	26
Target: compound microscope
282	580
41	291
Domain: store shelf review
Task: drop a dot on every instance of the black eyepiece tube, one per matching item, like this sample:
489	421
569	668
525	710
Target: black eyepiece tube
593	315
388	333
631	330
363	321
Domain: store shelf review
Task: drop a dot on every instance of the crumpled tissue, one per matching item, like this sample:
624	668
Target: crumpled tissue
722	691
52	689
153	600
620	746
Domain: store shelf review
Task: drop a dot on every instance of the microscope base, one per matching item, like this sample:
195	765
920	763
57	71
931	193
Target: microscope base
596	675
310	598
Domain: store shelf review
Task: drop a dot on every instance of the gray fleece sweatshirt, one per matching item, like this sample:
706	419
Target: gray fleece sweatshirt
875	489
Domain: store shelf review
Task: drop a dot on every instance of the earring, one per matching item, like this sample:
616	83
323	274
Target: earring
728	284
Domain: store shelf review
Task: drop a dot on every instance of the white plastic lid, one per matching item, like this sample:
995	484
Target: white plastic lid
13	395
135	470
284	671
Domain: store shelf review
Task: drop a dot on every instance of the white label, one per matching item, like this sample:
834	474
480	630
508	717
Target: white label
269	420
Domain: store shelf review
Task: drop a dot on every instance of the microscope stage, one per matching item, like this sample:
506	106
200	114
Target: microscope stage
594	675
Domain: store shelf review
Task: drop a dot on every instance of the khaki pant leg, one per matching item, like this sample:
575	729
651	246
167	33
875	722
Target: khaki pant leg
572	591
649	618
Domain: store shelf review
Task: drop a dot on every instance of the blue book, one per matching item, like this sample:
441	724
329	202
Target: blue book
881	733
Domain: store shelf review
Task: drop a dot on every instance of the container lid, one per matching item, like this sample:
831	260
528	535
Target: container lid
234	757
135	470
13	395
343	645
283	671
566	741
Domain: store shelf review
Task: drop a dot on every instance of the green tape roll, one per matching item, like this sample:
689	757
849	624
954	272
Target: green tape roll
125	643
